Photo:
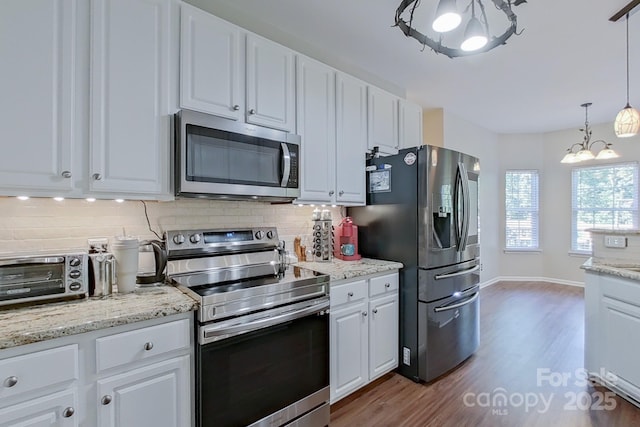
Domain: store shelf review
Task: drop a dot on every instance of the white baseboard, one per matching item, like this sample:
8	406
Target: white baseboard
530	279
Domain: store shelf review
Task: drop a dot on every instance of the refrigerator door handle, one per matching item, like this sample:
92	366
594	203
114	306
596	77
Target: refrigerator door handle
458	305
458	225
457	273
465	205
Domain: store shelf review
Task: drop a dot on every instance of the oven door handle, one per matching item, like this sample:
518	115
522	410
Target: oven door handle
40	260
214	331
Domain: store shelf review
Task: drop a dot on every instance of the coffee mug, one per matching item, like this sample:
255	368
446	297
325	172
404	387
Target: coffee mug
348	249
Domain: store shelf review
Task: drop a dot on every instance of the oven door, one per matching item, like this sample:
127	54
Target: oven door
269	376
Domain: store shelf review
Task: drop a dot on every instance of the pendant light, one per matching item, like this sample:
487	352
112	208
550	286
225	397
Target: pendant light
474	35
447	17
628	119
584	150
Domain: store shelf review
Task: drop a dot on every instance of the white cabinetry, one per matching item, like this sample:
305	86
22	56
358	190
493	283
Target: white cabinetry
131	76
315	102
383	121
133	375
363	333
410	124
36	107
612	332
223	75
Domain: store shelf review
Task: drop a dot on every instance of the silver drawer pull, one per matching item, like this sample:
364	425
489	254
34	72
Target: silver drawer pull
106	399
252	111
96	176
364	313
236	107
66	174
148	346
375	311
387	285
68	412
10	381
350	294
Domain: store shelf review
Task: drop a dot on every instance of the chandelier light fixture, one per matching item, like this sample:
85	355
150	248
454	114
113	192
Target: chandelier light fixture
581	151
447	17
628	119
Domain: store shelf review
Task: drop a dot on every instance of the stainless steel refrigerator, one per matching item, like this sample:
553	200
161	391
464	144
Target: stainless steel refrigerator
422	210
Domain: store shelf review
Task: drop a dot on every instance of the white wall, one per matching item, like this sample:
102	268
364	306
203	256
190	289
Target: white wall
544	152
468	138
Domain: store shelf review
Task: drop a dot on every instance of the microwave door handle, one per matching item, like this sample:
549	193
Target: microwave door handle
286	170
41	260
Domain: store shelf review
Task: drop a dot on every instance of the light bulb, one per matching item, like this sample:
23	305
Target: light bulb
474	36
447	17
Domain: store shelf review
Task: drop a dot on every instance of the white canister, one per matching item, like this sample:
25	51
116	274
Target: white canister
125	251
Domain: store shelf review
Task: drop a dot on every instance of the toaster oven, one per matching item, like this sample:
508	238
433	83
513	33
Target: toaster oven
27	278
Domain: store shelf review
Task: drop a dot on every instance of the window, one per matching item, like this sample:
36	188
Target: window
521	205
602	197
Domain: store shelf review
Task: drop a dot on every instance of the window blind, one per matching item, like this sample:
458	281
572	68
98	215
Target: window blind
602	197
521	208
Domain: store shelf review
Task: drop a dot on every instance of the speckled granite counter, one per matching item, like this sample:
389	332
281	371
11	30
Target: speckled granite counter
25	325
339	270
627	271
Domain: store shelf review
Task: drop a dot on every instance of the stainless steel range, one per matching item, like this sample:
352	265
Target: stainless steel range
263	328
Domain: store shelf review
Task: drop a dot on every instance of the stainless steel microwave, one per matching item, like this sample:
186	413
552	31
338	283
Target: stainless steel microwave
221	158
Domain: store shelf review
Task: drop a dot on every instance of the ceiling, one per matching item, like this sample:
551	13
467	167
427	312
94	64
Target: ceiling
568	54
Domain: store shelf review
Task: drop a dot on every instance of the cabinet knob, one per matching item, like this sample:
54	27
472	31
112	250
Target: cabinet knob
375	310
66	174
331	193
148	346
340	193
106	399
10	381
364	313
97	176
252	111
350	294
387	285
68	412
236	107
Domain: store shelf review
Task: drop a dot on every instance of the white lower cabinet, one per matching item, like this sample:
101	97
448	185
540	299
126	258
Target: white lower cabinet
363	332
75	381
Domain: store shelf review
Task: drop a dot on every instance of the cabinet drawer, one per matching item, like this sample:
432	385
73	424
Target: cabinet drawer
383	285
38	370
128	347
348	292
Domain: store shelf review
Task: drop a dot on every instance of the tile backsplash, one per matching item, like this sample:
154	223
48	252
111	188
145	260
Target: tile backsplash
46	224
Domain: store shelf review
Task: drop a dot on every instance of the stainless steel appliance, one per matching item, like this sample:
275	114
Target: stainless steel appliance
424	213
42	276
263	329
222	158
157	275
102	274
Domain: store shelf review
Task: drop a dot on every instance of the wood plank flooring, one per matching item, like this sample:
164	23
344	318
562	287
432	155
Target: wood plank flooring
531	335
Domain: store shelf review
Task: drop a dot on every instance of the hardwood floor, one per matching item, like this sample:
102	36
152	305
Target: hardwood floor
531	335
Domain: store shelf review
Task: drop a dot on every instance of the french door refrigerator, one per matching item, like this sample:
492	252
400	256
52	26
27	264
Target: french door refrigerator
422	210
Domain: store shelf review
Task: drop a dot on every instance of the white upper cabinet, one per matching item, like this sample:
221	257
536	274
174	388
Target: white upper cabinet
383	121
410	124
210	76
36	107
222	75
131	77
316	111
351	139
270	84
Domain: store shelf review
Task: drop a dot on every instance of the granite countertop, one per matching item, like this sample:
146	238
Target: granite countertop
339	270
29	324
627	271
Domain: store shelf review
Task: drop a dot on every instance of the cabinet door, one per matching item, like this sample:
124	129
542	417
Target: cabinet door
620	341
210	78
270	84
155	395
383	335
315	99
383	121
351	139
54	410
348	347
130	84
410	124
36	107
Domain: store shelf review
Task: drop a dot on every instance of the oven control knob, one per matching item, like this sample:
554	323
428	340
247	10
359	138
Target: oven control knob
75	274
178	239
194	238
259	235
74	262
270	234
75	286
